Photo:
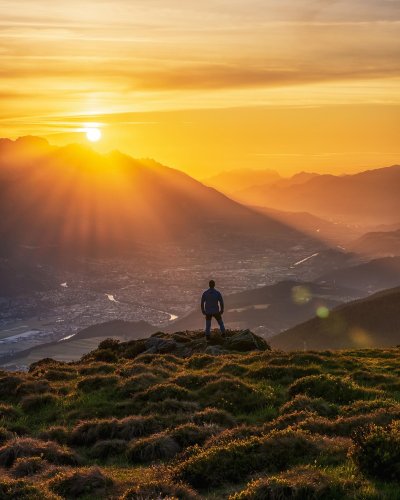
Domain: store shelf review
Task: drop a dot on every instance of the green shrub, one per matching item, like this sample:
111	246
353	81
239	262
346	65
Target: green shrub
90	431
234	369
56	375
106	355
160	392
131	351
5	435
108	447
234	395
214	416
8	386
194	381
376	451
96	369
11	489
74	484
190	434
359	407
333	389
33	387
170	406
200	361
160	490
283	373
315	405
299	483
28	447
156	447
110	343
97	382
28	466
7	411
36	402
56	433
138	383
344	426
235	460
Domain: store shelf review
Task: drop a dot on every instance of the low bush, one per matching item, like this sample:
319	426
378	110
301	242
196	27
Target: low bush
299	483
12	489
376	451
234	369
235	460
8	411
56	433
90	431
5	435
193	381
170	406
108	448
333	389
156	447
190	434
8	386
97	382
200	361
96	369
234	395
36	402
316	405
110	343
90	483
214	416
29	447
138	383
58	374
33	387
160	490
106	355
359	407
285	373
28	466
160	392
133	350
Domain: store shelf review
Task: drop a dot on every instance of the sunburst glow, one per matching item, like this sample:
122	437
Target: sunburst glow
93	134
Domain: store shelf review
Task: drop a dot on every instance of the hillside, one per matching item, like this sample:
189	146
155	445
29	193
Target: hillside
234	180
366	323
123	423
270	309
93	204
370	197
371	276
377	244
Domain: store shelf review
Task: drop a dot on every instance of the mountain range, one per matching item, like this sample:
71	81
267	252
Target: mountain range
76	199
365	323
367	198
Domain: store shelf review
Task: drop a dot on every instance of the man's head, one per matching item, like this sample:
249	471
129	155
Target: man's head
211	283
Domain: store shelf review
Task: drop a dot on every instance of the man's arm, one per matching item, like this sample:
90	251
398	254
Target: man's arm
221	304
203	300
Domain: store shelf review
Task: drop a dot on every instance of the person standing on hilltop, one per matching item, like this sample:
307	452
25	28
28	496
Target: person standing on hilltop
212	305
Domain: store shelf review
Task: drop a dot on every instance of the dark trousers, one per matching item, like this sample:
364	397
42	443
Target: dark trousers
218	317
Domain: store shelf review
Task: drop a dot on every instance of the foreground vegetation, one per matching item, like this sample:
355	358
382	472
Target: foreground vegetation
240	425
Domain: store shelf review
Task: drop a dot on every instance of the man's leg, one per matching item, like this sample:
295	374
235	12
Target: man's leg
208	325
218	317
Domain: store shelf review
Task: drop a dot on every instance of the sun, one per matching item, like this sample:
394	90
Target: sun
93	134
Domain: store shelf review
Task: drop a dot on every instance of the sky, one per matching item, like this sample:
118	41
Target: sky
208	86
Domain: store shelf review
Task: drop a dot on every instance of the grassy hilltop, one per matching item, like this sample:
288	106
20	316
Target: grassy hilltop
169	417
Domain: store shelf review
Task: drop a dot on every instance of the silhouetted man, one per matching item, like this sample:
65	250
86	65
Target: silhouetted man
212	304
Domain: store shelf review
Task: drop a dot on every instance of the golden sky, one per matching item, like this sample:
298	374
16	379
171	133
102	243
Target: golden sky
211	85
